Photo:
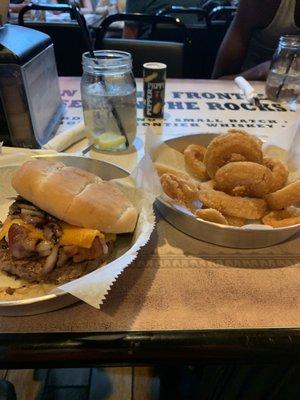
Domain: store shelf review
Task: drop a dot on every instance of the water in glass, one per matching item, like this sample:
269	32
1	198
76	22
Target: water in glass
283	82
109	93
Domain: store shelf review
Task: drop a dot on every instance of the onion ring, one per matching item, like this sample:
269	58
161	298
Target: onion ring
279	171
242	207
236	157
207	185
234	145
284	197
279	219
244	178
165	169
235	221
182	190
211	215
193	157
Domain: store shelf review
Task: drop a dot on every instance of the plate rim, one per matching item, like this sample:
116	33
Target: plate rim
168	141
50	296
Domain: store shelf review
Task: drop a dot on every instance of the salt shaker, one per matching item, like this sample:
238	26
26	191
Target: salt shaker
283	82
108	92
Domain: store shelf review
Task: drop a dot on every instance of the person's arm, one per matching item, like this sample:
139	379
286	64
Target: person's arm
251	15
257	73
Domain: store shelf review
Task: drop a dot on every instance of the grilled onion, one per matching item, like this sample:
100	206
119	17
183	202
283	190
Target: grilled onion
51	260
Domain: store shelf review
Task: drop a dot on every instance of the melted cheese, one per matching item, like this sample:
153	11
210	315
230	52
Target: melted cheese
71	235
82	237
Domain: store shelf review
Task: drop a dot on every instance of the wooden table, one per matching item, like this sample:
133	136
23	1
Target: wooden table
182	299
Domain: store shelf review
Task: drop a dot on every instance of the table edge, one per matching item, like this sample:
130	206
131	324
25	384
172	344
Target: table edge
78	349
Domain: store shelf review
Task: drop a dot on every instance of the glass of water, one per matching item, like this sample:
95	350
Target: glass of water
108	93
283	82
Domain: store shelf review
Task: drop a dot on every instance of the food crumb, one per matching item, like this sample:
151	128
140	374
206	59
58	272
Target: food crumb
9	290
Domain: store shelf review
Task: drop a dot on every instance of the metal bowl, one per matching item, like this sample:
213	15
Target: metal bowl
228	236
50	302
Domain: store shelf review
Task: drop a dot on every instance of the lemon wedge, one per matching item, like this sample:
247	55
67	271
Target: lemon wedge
110	140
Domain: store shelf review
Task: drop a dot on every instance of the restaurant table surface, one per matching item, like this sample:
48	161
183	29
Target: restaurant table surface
177	283
192	106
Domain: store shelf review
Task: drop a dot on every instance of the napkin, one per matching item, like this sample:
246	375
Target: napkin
285	145
65	139
18	155
245	86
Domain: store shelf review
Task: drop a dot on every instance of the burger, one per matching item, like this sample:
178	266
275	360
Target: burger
63	223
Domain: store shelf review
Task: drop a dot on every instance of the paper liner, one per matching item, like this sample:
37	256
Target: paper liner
92	288
67	138
284	146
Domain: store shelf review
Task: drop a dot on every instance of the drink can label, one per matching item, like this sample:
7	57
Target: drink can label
154	75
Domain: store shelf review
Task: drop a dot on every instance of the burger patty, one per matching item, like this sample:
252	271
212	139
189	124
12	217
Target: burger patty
32	270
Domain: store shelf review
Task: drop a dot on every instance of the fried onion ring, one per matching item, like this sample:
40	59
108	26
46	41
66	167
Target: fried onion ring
207	185
182	190
235	145
244	178
242	207
284	197
235	221
165	169
279	171
193	157
211	215
279	219
236	157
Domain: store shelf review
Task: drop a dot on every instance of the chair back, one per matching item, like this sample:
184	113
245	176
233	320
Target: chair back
222	13
170	53
205	37
67	38
178	11
143	51
220	19
164	32
150	19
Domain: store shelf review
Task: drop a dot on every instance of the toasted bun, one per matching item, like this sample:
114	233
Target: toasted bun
75	196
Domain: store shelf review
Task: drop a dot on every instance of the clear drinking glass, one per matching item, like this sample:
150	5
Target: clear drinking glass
108	92
283	82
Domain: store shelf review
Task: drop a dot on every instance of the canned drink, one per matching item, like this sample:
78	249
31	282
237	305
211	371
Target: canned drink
154	74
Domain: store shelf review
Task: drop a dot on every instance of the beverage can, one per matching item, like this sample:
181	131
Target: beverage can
154	74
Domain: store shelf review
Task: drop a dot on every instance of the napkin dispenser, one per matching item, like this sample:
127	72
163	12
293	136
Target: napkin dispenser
30	104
